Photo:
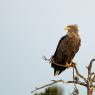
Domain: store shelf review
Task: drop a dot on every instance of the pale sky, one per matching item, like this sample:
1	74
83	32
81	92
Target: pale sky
30	29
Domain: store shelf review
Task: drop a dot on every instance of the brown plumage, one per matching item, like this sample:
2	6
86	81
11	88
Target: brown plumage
67	47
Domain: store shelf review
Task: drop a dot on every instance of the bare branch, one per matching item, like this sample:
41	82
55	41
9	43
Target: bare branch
57	81
89	71
88	82
93	78
90	65
52	62
38	88
90	79
77	82
46	58
77	72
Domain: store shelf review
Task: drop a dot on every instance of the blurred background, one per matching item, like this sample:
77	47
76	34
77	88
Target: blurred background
30	29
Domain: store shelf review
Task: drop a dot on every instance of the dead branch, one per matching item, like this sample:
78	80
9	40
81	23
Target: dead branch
90	66
89	69
60	65
88	83
93	78
57	81
90	79
77	72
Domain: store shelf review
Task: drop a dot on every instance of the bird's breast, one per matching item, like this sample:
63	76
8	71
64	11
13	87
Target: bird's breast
72	45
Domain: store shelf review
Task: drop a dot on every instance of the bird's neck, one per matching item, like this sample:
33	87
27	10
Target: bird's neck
73	34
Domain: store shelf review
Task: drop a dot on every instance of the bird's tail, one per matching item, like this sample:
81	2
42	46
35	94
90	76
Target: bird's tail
53	64
56	72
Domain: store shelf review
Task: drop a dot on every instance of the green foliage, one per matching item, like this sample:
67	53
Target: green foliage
54	90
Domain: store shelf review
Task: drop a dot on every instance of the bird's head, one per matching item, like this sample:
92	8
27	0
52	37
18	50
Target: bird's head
71	28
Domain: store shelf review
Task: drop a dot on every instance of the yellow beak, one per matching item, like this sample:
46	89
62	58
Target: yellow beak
66	28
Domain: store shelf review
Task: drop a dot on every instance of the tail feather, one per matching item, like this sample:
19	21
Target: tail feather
57	72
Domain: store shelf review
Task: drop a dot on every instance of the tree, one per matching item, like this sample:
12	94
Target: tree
87	81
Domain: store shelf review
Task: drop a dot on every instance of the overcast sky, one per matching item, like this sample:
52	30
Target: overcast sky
30	29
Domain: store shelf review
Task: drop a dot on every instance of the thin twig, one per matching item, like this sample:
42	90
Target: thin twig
53	62
77	72
57	81
90	80
93	78
90	65
90	73
89	69
74	79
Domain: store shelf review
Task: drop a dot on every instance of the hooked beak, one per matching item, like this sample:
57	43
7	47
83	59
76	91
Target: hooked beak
66	28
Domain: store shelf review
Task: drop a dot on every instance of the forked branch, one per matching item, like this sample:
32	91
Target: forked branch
57	81
77	72
88	83
89	69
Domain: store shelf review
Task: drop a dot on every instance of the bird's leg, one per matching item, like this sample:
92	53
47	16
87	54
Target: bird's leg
72	64
68	65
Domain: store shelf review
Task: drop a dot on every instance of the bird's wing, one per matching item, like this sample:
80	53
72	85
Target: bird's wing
60	53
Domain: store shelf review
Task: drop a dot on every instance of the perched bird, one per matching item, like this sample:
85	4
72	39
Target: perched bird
67	47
